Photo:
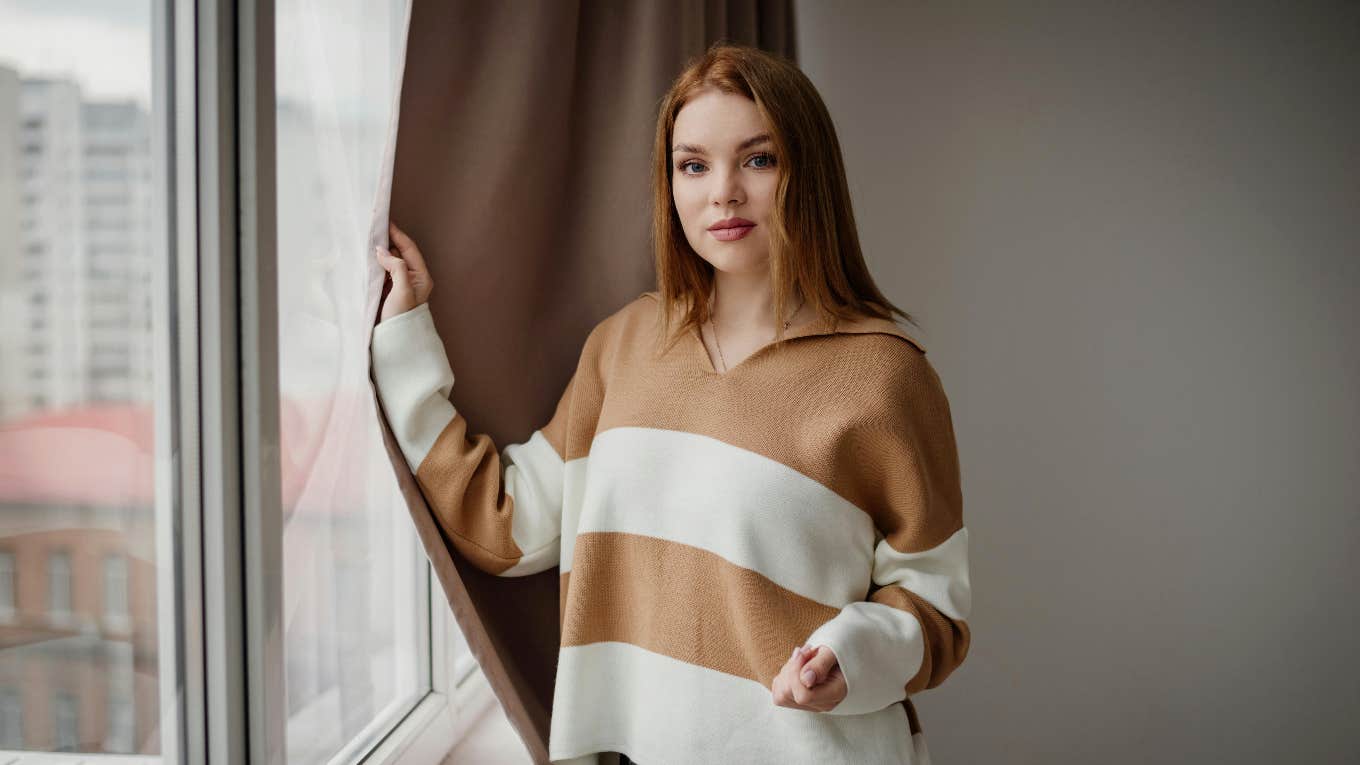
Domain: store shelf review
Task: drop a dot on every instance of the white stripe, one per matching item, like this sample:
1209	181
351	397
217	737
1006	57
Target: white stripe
411	372
879	648
531	474
939	575
615	696
747	508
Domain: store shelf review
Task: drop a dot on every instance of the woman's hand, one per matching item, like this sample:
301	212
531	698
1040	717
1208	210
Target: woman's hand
411	282
810	680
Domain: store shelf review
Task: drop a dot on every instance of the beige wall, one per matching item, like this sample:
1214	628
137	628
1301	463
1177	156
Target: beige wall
1130	232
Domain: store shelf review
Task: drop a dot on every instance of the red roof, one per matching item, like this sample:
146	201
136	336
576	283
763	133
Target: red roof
104	454
95	455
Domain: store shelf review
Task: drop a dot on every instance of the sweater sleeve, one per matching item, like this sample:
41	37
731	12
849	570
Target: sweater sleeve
911	632
501	509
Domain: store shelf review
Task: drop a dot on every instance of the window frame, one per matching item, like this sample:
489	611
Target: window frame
230	230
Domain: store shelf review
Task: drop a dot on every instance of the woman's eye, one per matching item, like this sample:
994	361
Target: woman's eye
768	163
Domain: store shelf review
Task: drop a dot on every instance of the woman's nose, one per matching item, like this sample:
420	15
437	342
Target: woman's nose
726	189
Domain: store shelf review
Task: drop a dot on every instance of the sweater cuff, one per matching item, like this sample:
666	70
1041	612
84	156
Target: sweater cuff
412	374
879	648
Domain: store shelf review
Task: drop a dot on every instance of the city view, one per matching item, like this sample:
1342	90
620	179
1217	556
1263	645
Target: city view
82	617
78	642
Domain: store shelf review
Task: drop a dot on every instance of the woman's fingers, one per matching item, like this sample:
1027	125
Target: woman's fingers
394	266
791	690
783	686
400	298
422	284
818	666
828	693
406	246
399	237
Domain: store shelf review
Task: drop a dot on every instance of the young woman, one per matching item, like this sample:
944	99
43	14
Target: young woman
750	483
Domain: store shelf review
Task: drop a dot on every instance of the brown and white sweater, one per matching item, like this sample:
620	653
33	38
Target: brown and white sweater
706	523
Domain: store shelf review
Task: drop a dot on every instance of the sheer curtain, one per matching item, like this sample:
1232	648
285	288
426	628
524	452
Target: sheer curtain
355	590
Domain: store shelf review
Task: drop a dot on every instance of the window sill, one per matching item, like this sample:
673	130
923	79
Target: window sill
439	721
490	740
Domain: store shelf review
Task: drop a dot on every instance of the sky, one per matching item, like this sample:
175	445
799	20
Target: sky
104	45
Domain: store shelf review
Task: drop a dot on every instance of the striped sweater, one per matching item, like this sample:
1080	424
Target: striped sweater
706	523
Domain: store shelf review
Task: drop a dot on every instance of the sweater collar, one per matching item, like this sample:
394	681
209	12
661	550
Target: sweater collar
858	326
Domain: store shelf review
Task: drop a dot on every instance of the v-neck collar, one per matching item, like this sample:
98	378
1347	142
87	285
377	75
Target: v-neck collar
813	328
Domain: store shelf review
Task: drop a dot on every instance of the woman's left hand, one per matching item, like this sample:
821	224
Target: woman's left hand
810	680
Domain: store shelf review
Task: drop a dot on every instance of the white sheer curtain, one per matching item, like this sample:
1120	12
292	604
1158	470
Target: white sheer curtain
355	591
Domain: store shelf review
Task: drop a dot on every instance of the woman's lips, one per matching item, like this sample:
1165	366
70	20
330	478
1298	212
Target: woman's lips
730	234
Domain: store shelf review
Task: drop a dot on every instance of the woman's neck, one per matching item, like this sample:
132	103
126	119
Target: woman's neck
745	302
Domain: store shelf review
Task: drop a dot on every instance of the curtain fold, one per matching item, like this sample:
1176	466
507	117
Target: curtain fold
522	171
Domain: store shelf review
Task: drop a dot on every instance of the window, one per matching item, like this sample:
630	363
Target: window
191	427
120	723
120	701
77	79
59	587
116	591
65	721
8	604
11	718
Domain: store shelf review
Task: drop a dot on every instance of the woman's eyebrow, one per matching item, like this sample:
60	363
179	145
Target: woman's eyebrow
748	143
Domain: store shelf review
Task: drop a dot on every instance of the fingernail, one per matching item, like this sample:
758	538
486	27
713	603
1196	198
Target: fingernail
808	676
795	652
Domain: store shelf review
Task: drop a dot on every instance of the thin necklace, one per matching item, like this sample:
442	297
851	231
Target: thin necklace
714	324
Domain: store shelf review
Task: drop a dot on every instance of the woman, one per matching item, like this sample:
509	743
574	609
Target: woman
757	513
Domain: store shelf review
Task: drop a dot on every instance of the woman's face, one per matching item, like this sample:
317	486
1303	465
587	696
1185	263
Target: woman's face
723	166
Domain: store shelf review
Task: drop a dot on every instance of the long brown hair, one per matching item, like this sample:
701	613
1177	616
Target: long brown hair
814	247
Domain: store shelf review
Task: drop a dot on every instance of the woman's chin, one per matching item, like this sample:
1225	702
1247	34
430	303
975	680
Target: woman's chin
737	260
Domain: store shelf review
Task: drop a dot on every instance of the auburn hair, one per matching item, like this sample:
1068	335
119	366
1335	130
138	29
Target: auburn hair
814	246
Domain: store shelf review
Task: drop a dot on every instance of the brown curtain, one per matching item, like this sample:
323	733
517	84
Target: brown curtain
522	171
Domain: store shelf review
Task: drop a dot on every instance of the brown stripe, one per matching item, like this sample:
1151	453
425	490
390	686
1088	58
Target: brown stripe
860	411
461	476
946	639
683	602
461	480
913	721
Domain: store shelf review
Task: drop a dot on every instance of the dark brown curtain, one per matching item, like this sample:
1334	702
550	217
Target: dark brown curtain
522	172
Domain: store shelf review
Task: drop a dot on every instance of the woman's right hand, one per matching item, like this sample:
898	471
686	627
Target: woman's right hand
411	282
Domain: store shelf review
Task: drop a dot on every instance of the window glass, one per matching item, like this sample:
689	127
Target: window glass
77	379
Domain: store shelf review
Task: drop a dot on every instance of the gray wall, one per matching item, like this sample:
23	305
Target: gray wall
1130	232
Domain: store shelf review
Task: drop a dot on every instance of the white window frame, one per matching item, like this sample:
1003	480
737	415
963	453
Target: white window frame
233	278
459	697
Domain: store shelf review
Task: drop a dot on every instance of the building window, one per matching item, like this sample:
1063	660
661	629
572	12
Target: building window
116	591
59	586
120	726
11	718
8	590
66	721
